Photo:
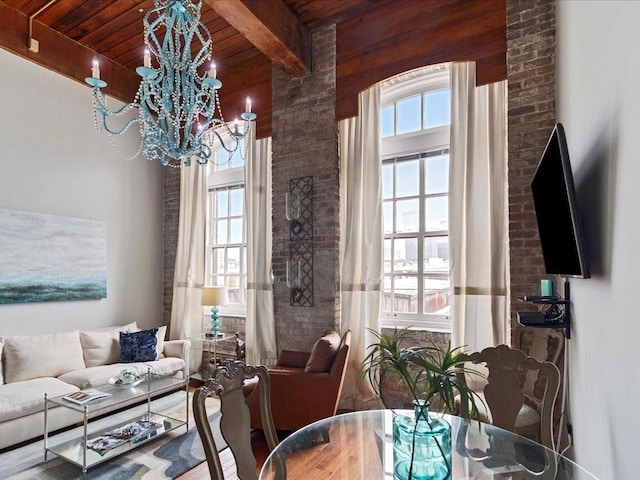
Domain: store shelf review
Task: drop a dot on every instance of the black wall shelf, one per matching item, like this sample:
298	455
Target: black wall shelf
551	318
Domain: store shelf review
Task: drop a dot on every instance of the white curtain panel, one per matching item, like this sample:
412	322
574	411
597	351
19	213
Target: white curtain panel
361	252
478	225
186	310
261	348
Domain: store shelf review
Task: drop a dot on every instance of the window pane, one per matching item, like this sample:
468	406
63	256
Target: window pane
233	260
221	232
405	294
409	115
217	261
222	160
437	109
236	199
387	256
234	290
235	233
387	121
436	294
387	181
436	173
436	255
387	209
436	214
222	203
407	215
236	159
408	179
387	296
405	255
218	281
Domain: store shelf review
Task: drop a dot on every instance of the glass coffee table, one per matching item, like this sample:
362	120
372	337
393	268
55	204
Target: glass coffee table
92	448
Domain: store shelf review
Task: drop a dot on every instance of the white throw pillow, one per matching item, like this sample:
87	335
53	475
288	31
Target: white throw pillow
48	355
162	331
102	347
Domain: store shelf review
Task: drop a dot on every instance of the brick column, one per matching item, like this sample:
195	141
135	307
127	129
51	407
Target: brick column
531	57
305	144
171	201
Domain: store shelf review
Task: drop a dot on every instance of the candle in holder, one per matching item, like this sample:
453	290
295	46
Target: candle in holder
247	107
95	69
212	70
147	58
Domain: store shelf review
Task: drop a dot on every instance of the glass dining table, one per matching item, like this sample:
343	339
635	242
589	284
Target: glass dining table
359	446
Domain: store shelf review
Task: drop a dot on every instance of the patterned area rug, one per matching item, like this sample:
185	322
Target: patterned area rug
165	458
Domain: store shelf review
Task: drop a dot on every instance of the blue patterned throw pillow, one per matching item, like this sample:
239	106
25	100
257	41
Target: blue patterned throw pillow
138	346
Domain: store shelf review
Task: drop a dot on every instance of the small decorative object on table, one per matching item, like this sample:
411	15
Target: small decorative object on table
422	441
127	378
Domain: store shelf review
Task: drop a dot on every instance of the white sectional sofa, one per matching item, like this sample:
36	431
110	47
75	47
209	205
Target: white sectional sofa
62	363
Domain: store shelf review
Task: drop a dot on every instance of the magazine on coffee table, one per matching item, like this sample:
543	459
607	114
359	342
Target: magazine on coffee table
116	437
84	396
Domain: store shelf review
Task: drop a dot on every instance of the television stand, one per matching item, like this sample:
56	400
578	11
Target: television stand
557	314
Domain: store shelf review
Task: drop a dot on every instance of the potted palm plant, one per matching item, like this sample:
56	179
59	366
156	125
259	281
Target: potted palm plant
432	375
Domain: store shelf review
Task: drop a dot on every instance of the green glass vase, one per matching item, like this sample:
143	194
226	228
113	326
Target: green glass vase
421	445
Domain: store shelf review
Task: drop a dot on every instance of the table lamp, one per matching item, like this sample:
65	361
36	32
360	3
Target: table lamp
214	297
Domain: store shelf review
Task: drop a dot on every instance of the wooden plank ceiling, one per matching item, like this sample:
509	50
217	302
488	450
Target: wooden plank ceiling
249	36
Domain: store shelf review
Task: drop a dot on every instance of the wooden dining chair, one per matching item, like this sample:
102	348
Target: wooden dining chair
507	397
226	383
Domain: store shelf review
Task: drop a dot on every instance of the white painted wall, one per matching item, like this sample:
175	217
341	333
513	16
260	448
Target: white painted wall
53	161
598	95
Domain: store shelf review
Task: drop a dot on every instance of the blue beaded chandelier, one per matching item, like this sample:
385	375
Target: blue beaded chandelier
176	106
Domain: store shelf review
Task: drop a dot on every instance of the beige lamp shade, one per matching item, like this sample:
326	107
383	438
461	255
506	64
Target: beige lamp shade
214	296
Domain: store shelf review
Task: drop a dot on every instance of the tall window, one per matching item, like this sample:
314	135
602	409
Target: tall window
226	238
414	126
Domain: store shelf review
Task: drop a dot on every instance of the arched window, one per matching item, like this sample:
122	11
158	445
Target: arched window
414	128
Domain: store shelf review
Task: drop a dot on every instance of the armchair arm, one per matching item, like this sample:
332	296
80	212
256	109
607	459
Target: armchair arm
178	349
291	358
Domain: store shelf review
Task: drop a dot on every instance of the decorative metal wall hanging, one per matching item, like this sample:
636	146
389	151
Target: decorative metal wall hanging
300	274
300	208
299	268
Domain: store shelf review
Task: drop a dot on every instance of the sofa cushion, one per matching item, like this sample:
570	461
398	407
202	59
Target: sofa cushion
96	376
323	352
48	355
27	397
139	346
102	347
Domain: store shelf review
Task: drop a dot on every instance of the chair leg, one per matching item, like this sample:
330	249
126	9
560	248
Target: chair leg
325	435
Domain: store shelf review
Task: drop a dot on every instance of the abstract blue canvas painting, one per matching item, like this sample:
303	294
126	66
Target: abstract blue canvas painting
47	258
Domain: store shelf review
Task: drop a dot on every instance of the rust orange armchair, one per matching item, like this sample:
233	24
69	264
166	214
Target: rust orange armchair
305	386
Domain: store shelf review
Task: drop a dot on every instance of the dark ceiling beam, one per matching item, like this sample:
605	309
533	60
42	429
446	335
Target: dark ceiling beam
63	55
271	27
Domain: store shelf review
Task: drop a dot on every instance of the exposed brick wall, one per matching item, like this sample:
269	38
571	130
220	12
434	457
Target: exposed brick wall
531	57
305	144
171	218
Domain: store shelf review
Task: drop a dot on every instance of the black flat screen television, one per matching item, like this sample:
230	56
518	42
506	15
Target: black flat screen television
559	223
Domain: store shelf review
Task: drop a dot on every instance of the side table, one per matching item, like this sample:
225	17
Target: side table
207	342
